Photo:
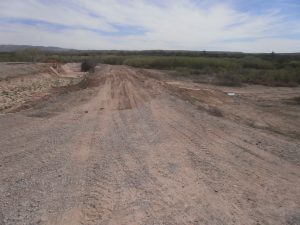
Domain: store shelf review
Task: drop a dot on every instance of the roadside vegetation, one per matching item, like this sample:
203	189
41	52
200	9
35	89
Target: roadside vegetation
233	69
88	65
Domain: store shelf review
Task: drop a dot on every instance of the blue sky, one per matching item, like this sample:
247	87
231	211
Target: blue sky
229	25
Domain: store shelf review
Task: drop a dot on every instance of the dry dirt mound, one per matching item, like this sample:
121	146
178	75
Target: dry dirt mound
23	84
266	108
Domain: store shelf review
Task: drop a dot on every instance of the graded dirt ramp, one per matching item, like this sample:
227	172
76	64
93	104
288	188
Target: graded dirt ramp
130	152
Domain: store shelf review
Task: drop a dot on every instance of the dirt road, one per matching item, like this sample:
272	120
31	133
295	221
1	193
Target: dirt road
127	150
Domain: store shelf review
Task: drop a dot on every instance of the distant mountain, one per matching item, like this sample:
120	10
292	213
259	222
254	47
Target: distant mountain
14	48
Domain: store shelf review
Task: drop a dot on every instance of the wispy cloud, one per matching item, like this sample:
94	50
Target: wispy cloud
136	24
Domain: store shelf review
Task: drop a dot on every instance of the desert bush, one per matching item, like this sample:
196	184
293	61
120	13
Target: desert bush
252	62
88	66
228	68
293	64
112	60
174	62
214	111
229	79
29	54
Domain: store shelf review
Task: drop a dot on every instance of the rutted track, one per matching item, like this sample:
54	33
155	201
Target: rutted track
131	153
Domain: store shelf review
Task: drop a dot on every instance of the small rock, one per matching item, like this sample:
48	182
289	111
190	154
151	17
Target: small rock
86	111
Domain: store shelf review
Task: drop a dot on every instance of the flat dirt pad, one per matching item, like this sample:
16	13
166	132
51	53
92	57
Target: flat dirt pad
132	149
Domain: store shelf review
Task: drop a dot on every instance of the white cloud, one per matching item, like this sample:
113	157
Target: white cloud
171	25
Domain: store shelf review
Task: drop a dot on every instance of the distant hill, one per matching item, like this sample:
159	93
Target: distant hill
14	48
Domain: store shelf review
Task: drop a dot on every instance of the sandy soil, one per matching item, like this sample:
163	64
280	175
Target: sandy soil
22	84
131	149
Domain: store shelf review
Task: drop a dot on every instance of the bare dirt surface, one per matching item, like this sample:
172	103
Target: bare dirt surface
24	83
127	148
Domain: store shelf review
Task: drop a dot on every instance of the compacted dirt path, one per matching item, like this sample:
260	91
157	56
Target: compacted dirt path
128	151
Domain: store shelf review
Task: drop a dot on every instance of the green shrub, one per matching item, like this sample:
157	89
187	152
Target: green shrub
256	63
112	60
229	79
228	68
